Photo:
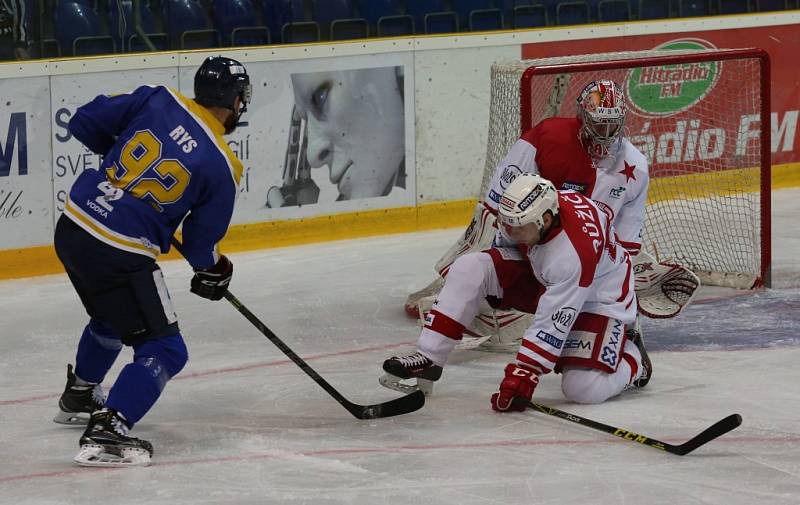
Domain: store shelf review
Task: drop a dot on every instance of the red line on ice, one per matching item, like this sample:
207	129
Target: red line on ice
287	455
232	369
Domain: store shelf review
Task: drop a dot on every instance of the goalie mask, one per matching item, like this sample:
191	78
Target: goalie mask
526	200
601	110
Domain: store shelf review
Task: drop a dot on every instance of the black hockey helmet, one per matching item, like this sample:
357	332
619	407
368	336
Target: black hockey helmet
219	81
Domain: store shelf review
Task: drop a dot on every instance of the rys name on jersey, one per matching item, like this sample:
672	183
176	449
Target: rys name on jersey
183	139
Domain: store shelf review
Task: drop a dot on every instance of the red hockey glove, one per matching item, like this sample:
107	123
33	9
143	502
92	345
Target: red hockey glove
212	282
518	383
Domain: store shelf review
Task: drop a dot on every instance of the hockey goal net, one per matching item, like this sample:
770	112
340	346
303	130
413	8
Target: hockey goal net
700	117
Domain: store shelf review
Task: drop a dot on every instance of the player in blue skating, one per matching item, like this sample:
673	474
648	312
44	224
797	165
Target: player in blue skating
165	162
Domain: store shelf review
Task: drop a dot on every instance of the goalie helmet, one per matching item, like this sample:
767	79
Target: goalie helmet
601	110
526	200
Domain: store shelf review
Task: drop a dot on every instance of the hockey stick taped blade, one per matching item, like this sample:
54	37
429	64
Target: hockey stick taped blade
396	407
717	429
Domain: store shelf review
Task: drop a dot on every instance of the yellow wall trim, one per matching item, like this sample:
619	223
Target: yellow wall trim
42	260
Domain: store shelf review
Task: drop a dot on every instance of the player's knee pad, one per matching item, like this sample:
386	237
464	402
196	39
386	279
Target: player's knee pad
586	385
164	357
104	335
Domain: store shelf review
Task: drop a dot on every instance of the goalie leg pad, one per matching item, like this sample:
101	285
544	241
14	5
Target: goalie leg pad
477	237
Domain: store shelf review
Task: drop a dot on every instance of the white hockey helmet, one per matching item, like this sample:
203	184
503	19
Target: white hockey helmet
601	109
526	200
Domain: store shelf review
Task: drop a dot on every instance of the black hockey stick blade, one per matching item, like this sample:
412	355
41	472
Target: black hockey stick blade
715	430
396	407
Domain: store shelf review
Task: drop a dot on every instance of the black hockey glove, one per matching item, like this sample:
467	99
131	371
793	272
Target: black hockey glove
212	283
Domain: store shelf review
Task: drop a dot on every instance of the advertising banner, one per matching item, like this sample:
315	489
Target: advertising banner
325	136
680	94
26	186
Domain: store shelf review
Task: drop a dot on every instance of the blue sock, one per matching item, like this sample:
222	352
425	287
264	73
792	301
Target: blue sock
140	383
98	348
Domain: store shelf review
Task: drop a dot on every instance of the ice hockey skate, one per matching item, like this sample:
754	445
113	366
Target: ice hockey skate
78	401
106	443
647	372
414	366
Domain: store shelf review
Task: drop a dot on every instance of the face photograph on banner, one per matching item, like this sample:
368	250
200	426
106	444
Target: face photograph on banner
346	137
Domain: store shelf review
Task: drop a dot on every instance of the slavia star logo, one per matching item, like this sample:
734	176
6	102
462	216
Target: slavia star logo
628	172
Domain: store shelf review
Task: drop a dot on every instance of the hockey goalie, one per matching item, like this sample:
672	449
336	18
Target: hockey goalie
587	153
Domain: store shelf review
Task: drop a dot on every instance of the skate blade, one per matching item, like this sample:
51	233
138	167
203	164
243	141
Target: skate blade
96	455
72	418
393	382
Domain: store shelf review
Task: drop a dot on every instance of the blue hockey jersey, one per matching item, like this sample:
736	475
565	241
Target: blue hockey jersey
164	158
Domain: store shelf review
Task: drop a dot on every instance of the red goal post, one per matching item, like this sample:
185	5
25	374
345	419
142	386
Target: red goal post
698	117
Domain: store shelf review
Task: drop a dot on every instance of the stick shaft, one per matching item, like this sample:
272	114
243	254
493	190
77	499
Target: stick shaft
398	406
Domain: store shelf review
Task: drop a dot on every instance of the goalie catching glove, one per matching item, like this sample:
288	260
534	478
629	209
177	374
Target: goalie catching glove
518	383
663	288
212	283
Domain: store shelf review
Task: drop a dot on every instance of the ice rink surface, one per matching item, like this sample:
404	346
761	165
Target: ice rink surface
243	425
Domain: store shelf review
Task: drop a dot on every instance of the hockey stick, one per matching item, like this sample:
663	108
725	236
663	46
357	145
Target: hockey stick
396	407
717	429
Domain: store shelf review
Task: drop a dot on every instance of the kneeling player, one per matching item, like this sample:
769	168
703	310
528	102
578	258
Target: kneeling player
556	256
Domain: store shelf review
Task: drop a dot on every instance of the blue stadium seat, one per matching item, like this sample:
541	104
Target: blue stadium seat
346	29
550	5
529	16
418	9
279	12
441	22
572	13
373	10
250	36
386	17
324	12
734	6
463	8
693	8
654	9
772	5
299	32
507	7
189	25
395	26
123	27
78	31
610	11
239	16
481	20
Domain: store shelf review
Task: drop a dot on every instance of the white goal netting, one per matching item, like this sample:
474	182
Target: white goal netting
696	116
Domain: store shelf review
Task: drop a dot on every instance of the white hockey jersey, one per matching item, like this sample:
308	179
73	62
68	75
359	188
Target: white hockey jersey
583	269
617	183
